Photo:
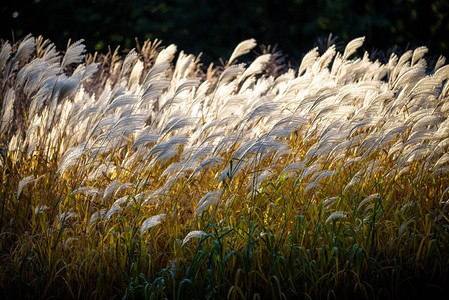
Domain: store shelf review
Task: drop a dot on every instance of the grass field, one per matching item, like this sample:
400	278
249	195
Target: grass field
153	176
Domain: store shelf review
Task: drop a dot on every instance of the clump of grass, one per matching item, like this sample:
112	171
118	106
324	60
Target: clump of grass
150	177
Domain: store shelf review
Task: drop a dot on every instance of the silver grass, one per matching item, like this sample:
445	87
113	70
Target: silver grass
427	87
87	112
35	74
356	179
22	183
25	49
338	66
324	61
309	170
8	111
110	95
256	67
86	72
426	121
389	137
5	54
191	235
241	49
419	137
110	189
208	200
440	172
257	180
367	200
178	123
185	64
440	62
120	201
294	167
122	100
398	146
402	62
31	148
370	167
344	147
262	111
309	59
244	149
152	222
444	93
155	73
336	215
329	202
410	75
165	155
209	162
441	75
96	216
74	54
442	160
416	115
128	124
175	167
320	99
325	174
130	58
124	186
282	152
186	85
71	157
230	73
145	139
50	54
418	53
284	132
111	212
311	186
140	197
352	46
403	226
444	194
67	86
154	90
347	114
65	216
134	77
171	144
88	190
169	104
99	171
368	142
416	153
221	123
294	121
166	55
228	140
230	173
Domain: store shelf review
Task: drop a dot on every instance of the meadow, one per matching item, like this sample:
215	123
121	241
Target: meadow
150	176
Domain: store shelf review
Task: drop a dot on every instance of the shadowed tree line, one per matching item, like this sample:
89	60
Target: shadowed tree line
215	27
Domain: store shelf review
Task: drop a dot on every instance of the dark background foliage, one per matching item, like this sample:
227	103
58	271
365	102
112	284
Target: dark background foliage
215	27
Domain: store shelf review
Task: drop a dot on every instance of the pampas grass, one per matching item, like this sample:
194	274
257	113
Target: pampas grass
146	176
